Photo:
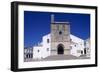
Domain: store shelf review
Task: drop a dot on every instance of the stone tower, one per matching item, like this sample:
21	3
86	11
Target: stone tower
60	37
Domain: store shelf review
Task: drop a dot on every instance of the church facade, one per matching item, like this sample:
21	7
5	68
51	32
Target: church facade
59	42
60	38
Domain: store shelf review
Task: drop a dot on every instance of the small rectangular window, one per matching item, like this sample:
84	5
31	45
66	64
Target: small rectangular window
47	49
38	50
47	40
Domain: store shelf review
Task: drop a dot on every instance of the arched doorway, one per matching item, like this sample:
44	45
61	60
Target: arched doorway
85	51
60	49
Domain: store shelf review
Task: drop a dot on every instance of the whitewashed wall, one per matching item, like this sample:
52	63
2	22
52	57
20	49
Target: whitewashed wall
88	48
37	52
46	45
77	45
42	51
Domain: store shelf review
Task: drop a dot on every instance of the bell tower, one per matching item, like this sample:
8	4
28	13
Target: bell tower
60	37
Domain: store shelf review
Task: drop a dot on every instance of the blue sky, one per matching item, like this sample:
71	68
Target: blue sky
37	24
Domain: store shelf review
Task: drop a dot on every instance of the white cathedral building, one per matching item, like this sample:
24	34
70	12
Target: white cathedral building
59	42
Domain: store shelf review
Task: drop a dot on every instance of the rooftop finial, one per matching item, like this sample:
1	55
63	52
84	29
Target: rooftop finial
52	18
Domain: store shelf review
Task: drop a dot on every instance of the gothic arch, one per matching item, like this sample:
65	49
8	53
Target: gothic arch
60	49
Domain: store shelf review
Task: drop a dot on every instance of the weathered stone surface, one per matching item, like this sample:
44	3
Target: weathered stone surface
60	34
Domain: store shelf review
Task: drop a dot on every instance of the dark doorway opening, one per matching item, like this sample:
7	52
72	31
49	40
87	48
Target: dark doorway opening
60	49
84	50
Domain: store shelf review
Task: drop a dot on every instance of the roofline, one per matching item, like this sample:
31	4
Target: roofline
60	22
